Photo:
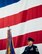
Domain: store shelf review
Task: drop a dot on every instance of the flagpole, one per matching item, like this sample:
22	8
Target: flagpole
8	41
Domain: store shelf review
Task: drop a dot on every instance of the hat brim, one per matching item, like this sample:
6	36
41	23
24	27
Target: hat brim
31	39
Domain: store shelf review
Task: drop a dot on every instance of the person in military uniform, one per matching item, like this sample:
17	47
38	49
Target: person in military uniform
31	48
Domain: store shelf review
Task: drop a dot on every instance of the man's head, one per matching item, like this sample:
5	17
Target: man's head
30	41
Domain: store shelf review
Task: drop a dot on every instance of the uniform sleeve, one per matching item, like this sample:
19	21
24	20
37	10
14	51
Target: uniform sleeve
37	51
25	51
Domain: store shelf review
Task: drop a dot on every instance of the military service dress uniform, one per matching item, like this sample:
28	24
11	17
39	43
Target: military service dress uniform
31	50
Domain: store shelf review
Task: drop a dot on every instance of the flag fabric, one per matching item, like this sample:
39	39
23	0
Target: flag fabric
25	20
7	2
10	47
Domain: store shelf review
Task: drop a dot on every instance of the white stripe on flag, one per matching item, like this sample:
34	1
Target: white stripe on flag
23	28
18	7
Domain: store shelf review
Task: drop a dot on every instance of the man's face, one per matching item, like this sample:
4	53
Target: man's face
30	43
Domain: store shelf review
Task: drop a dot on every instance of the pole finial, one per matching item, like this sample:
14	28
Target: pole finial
9	27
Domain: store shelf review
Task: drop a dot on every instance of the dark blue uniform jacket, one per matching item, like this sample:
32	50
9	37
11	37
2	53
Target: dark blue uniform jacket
31	50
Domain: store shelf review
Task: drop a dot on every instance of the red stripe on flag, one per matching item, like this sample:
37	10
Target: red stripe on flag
21	40
23	16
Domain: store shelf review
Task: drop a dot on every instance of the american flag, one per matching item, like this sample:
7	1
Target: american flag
25	20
